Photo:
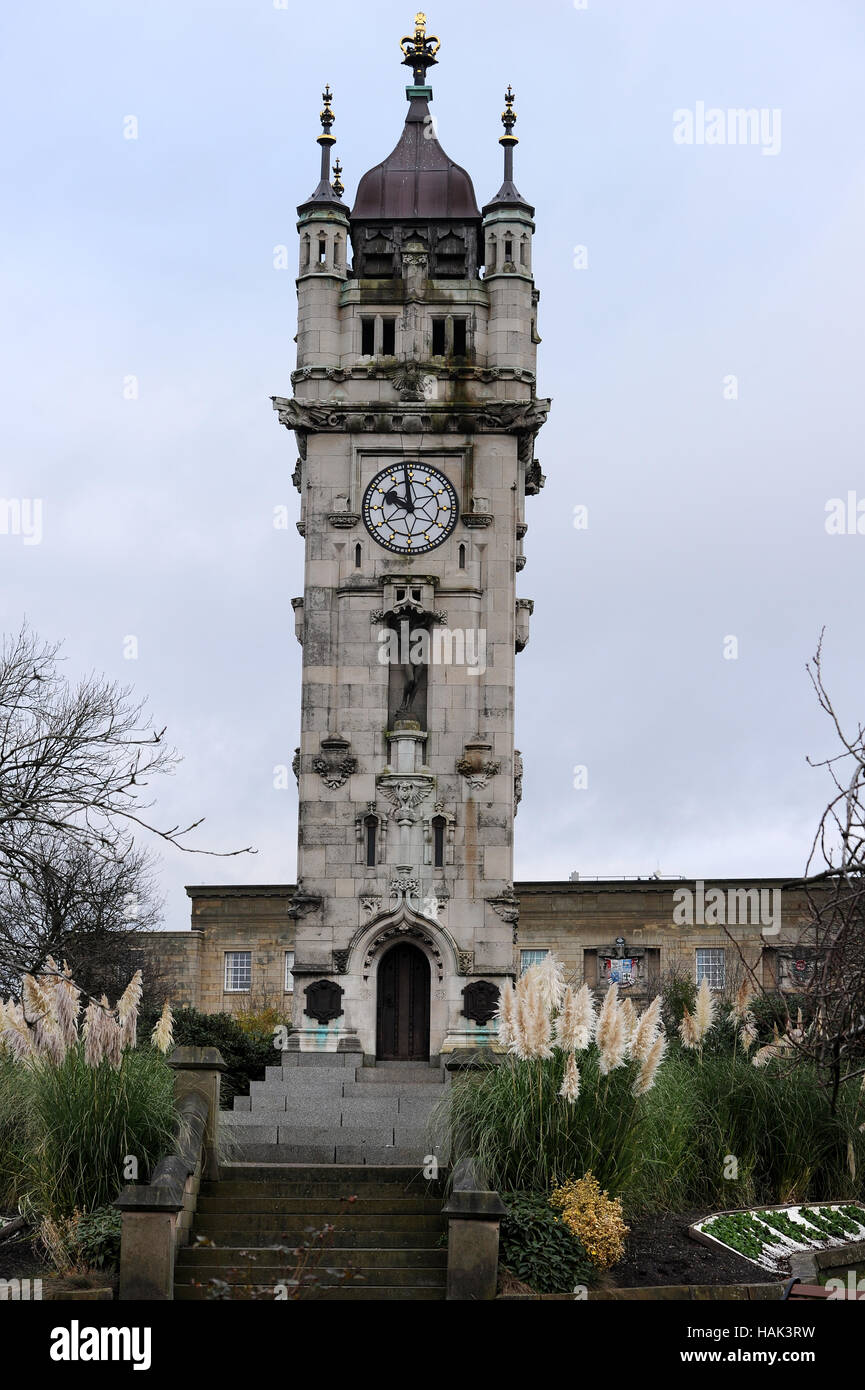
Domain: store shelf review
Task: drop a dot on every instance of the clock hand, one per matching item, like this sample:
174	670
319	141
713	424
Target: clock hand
408	491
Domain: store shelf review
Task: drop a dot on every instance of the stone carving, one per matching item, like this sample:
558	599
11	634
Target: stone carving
409	378
403	929
518	778
404	795
466	960
334	764
478	773
297	475
340	962
344	520
295	765
371	903
477	520
480	1001
404	887
506	905
324	1001
302	904
535	479
522	418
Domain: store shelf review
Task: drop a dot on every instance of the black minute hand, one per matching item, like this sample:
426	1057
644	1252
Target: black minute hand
409	499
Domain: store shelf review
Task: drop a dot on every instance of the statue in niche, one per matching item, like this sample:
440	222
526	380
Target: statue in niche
407	693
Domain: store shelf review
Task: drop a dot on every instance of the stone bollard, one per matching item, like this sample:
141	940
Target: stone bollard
474	1214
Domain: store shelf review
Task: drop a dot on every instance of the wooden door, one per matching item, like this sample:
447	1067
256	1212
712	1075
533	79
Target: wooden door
403	1005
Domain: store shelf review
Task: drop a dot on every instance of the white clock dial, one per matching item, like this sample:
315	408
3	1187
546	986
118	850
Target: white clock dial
410	508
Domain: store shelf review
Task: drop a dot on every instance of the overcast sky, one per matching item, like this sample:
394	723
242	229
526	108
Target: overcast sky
153	257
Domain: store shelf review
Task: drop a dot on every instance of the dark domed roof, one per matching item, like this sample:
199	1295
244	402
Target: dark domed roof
417	179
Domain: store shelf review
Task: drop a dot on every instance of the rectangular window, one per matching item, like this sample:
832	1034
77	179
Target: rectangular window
238	971
460	337
711	966
367	337
388	337
528	958
289	967
438	338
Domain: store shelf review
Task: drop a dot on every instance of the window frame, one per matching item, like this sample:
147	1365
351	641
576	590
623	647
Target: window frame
541	952
708	969
288	972
229	961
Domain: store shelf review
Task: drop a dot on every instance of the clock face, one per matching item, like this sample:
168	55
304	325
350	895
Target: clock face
410	508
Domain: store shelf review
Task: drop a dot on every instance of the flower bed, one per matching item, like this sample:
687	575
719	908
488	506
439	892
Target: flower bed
768	1236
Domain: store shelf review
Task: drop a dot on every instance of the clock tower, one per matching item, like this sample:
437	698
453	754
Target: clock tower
415	412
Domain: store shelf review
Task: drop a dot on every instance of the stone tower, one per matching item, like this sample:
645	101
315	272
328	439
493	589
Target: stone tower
415	413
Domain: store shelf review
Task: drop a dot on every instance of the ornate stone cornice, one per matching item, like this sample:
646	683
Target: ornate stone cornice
373	371
521	418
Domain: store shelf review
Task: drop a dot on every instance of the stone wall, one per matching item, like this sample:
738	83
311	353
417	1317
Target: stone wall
580	921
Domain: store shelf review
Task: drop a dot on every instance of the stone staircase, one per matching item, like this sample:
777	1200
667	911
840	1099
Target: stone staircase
324	1141
386	1243
329	1108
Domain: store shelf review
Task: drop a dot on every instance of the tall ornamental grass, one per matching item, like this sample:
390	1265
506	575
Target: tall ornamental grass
77	1101
702	1125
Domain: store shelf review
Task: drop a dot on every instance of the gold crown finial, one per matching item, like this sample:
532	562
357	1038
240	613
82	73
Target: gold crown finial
509	119
419	49
338	186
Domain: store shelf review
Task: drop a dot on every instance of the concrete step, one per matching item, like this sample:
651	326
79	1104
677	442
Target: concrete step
325	1060
324	1207
244	1229
386	1073
418	1186
304	1172
345	1293
245	1273
420	1089
266	1257
244	1235
376	1154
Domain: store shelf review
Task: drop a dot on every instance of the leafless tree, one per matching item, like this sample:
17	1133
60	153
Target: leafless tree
76	765
830	1034
88	910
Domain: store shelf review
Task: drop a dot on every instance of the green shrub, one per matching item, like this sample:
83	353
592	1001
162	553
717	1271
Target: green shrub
246	1052
538	1247
96	1236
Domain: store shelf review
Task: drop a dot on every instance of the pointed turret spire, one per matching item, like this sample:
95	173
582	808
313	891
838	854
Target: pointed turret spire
326	192
509	193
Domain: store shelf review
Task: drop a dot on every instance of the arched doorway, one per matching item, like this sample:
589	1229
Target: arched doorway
403	1005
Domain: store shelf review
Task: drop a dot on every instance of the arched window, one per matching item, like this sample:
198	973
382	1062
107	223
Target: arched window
370	826
358	556
322	250
305	256
438	828
462	557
